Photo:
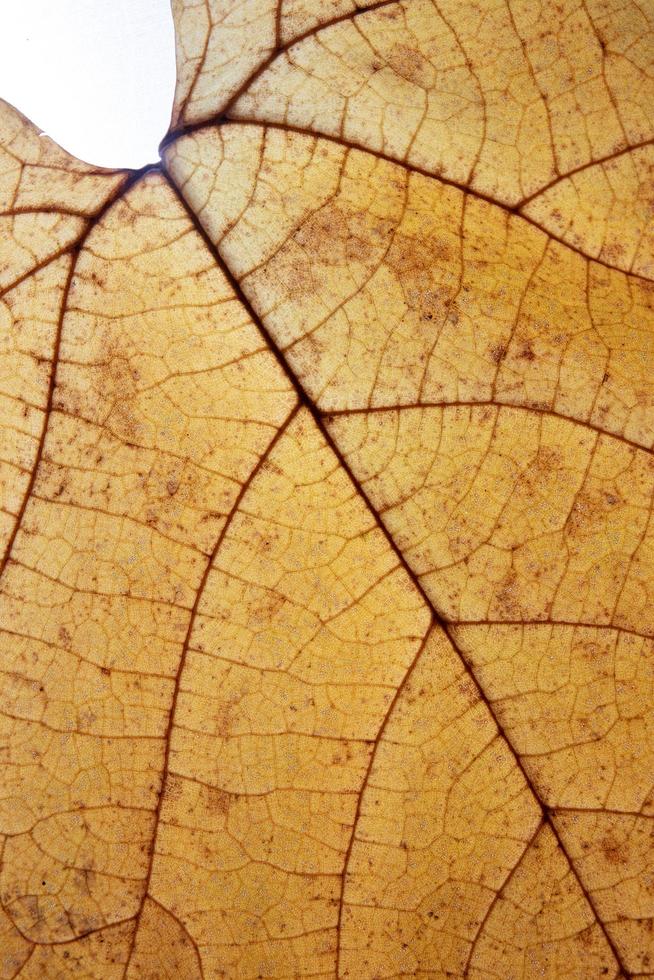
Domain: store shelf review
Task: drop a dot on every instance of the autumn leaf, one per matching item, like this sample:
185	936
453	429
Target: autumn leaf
327	597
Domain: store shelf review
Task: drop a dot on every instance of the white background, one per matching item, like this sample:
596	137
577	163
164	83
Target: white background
95	75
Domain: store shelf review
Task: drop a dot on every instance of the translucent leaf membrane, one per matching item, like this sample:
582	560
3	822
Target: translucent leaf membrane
385	287
325	505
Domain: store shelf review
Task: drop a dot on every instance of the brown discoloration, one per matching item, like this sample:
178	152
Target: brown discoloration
614	851
218	802
173	788
410	65
508	597
65	637
416	257
224	716
587	510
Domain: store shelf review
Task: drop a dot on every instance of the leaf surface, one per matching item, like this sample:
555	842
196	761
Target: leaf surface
326	507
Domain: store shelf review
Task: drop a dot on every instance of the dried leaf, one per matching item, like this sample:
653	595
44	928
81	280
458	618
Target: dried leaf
326	491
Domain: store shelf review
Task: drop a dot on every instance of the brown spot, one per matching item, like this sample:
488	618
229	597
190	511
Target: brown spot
224	717
416	258
218	801
614	852
310	355
613	253
266	609
507	598
98	279
468	691
300	278
411	65
173	788
588	512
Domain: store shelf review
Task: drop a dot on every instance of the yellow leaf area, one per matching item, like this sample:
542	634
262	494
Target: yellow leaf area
326	480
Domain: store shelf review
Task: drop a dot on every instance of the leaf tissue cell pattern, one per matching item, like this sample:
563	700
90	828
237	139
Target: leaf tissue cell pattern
327	553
